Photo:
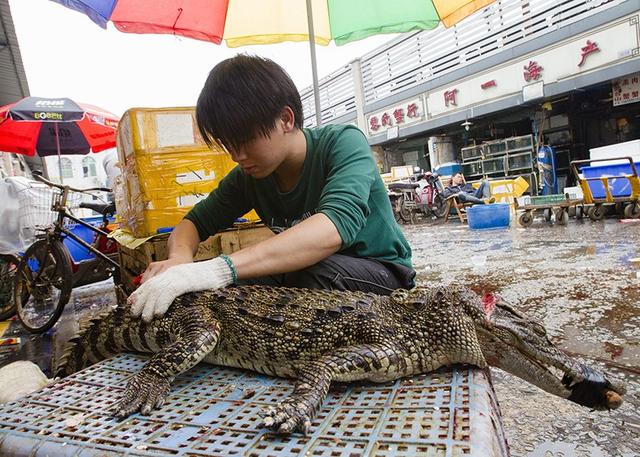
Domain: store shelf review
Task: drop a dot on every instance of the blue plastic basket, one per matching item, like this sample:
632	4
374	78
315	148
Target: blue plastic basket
619	187
213	411
78	252
495	215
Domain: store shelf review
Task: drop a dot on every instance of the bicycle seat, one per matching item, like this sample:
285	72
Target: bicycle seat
106	209
403	185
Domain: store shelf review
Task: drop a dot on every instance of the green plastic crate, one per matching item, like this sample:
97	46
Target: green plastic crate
548	199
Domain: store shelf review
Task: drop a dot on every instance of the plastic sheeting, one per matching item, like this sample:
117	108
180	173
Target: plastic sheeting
26	204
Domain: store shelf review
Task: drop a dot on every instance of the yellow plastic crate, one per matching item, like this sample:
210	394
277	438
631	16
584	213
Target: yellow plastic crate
166	168
506	190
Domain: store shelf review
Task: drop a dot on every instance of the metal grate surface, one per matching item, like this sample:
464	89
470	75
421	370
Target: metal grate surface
213	411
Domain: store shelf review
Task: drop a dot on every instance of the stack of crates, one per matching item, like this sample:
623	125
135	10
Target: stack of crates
166	168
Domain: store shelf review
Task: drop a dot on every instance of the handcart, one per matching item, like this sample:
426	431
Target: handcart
609	185
558	204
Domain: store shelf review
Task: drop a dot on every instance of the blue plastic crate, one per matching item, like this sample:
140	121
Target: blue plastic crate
77	251
619	187
214	411
495	215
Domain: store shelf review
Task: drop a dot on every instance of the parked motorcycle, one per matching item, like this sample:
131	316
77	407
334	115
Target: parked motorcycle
421	194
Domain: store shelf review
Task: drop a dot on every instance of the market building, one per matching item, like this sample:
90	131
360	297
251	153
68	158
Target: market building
13	84
483	96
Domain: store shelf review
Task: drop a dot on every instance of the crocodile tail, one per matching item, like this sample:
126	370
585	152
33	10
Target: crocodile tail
99	338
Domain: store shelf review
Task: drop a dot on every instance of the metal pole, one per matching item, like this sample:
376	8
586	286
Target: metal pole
55	125
314	66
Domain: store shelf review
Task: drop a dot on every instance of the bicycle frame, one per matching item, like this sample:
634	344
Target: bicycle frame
59	228
59	206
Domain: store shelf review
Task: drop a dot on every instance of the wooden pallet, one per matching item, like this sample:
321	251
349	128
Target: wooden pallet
134	261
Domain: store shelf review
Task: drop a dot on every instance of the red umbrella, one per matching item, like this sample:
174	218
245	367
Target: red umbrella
50	126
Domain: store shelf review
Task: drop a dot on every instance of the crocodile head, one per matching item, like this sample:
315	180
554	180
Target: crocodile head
520	346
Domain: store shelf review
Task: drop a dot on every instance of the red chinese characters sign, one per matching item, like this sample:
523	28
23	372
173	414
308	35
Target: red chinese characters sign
386	120
626	90
450	97
532	71
488	84
590	48
412	110
398	115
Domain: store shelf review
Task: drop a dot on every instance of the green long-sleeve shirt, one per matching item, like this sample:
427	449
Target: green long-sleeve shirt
339	179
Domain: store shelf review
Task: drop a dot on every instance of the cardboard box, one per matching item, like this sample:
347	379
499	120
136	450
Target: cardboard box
166	168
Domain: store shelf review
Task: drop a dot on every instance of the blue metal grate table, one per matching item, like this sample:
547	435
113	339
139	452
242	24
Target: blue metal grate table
213	411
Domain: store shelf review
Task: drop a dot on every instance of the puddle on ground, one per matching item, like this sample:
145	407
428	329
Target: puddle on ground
45	349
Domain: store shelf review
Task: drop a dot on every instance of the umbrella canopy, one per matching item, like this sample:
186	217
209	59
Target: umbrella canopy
250	22
49	126
245	22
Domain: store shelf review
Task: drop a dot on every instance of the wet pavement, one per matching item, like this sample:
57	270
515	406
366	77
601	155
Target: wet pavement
581	281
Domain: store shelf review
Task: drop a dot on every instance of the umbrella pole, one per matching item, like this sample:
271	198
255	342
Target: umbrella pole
314	66
55	126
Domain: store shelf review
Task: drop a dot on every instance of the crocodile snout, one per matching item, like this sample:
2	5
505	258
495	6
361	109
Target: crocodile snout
593	391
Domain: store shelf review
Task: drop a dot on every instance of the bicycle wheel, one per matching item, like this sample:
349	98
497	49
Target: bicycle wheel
403	210
42	285
8	266
395	207
439	206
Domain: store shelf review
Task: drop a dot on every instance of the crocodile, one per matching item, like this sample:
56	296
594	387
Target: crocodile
319	336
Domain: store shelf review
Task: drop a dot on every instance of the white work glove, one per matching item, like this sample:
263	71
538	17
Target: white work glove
153	298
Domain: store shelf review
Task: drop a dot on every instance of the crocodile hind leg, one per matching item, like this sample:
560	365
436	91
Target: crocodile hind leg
376	362
197	334
102	337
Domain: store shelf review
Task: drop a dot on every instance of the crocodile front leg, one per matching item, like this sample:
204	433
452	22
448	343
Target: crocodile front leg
373	362
197	335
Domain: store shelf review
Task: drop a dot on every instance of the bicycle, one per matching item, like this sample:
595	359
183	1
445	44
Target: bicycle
8	267
46	272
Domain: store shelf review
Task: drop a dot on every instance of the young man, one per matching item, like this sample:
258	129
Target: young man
318	189
465	191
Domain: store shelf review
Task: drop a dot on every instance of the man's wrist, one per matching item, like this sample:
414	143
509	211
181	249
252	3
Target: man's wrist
232	268
183	257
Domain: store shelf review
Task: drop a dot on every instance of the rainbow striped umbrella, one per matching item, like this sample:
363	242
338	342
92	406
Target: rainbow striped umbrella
250	22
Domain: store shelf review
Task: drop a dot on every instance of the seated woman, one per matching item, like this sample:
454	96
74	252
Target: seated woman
466	193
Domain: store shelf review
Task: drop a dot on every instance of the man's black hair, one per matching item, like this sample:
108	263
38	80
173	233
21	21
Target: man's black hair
242	99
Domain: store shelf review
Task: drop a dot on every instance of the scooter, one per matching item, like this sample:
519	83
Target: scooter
422	193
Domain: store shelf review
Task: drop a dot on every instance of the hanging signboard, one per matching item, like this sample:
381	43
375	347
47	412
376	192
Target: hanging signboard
626	90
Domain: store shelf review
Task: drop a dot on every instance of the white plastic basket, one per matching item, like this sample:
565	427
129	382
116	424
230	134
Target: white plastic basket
35	206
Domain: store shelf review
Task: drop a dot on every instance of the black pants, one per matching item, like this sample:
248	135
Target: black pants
342	272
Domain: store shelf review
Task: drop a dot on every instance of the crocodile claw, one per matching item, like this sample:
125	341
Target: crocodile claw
289	416
145	392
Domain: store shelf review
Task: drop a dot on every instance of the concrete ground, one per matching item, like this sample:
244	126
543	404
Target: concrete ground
581	281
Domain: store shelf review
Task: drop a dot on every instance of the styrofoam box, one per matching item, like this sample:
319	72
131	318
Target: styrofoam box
626	149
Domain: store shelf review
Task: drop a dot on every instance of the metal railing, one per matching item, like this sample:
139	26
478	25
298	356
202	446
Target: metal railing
336	97
413	59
